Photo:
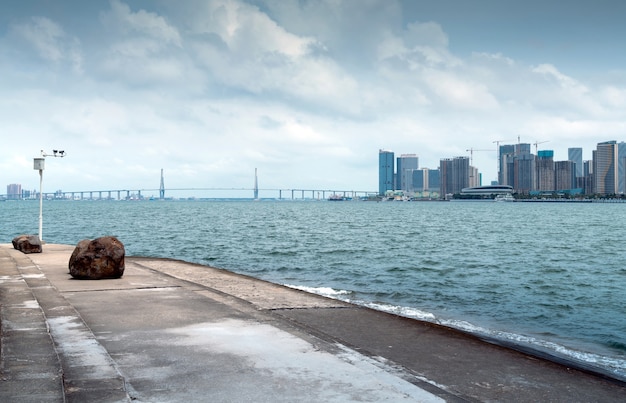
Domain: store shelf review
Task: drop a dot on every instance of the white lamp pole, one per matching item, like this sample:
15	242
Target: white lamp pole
39	164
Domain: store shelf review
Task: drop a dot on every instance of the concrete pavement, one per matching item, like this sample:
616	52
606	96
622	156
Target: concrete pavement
174	331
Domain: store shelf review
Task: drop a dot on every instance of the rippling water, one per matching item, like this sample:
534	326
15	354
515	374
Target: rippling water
551	276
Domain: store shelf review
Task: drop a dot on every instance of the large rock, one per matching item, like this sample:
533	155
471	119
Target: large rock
98	259
27	243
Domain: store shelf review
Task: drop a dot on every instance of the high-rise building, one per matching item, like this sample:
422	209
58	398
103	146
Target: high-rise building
545	171
14	191
420	179
621	167
405	165
426	180
505	156
575	154
474	179
445	176
523	169
522	148
564	175
605	168
587	180
385	171
434	180
516	166
454	175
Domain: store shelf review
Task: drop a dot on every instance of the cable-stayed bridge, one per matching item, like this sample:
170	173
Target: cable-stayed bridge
208	193
244	193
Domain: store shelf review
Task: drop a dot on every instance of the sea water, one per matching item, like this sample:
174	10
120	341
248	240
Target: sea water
549	276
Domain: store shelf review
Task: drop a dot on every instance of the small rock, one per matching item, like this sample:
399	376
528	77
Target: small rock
27	243
100	258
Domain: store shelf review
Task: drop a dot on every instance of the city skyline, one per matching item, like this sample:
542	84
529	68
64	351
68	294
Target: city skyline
301	90
394	181
525	172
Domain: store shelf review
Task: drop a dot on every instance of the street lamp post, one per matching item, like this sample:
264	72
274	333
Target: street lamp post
39	165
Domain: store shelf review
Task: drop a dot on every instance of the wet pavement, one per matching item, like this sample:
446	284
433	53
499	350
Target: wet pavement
171	331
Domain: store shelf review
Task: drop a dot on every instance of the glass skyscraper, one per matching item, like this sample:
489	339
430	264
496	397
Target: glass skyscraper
621	167
385	171
575	154
426	180
405	165
434	180
505	154
605	168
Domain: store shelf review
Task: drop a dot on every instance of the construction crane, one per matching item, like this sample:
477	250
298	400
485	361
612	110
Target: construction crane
536	143
471	151
497	142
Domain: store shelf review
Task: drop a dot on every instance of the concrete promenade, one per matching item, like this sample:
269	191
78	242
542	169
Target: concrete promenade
171	331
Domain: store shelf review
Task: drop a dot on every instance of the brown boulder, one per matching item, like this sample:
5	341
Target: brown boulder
98	259
27	243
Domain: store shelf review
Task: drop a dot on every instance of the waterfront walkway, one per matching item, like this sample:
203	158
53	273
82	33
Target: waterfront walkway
171	331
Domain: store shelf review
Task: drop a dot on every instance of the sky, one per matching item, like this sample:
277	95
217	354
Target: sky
307	92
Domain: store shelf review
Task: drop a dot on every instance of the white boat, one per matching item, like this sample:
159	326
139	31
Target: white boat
504	198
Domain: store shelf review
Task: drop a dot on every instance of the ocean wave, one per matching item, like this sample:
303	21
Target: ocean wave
617	366
613	367
552	288
408	312
323	291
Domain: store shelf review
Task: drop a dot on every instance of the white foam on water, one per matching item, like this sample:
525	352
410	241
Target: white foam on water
342	295
614	365
324	291
408	312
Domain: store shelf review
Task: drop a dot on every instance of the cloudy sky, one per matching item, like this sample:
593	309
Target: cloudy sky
305	91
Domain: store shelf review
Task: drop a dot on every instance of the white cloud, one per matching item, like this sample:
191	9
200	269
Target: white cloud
305	91
244	49
95	121
144	49
348	30
460	92
562	94
558	127
613	97
50	41
496	58
551	73
44	35
425	34
420	45
144	23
